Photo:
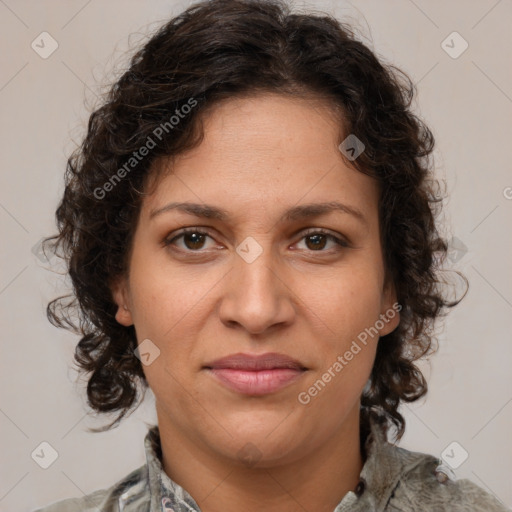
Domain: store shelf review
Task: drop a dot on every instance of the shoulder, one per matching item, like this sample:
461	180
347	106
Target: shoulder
127	494
427	484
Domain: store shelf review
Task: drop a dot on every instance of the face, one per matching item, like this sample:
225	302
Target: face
265	269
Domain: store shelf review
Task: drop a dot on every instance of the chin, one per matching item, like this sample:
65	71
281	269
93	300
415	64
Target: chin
263	451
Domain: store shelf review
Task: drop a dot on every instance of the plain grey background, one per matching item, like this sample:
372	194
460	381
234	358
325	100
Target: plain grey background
464	95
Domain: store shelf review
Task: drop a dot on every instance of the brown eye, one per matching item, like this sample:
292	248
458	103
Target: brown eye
317	241
192	240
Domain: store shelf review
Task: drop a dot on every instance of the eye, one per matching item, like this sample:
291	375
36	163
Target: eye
317	239
192	239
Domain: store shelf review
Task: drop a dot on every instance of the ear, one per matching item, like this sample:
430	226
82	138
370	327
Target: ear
390	309
121	295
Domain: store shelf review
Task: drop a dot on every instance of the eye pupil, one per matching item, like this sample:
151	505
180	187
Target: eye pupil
197	238
316	239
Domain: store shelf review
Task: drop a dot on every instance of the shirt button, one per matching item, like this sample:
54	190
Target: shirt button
444	474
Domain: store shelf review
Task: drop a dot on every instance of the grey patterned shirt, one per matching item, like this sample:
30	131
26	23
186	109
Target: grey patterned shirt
393	479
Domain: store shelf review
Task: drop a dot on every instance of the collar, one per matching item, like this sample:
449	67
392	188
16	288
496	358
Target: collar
165	493
383	467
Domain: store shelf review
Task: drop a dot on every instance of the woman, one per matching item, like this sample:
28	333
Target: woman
250	232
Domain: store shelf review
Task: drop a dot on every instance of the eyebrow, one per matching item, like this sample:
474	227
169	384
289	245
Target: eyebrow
300	212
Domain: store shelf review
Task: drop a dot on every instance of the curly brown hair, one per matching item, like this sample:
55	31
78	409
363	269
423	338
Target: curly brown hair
222	49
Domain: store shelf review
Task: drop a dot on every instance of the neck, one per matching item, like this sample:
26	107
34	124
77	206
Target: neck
317	480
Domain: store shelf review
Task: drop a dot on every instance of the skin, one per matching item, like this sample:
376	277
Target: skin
198	301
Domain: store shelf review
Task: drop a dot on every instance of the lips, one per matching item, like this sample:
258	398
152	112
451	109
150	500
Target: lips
255	374
268	361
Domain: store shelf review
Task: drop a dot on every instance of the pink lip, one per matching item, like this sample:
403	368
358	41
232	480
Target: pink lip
256	374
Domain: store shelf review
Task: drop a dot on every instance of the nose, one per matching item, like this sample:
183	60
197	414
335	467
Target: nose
258	295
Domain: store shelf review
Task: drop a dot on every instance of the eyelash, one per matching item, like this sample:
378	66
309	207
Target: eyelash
313	231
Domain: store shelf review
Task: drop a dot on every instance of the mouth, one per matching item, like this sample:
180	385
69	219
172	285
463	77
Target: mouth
256	375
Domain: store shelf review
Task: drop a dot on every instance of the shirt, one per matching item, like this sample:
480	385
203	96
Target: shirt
392	479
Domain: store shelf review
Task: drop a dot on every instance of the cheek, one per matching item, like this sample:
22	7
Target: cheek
346	338
348	304
165	298
170	308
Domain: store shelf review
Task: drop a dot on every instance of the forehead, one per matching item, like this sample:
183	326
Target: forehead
271	125
261	150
